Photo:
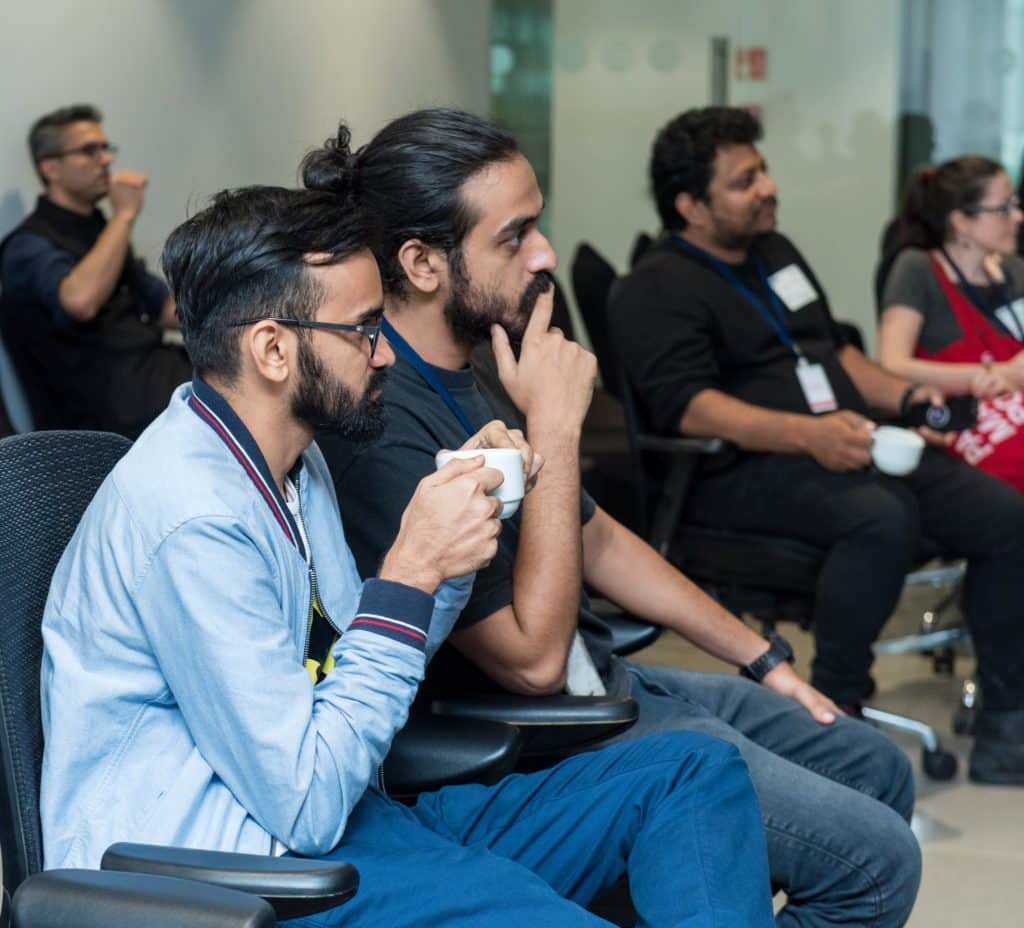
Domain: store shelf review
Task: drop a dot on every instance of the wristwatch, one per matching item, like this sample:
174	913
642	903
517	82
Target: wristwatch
778	651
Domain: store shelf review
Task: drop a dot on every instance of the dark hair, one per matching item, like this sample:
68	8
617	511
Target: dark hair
683	154
932	194
45	136
246	256
409	179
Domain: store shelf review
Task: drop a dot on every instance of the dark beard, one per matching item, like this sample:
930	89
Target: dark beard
737	239
471	311
731	241
325	403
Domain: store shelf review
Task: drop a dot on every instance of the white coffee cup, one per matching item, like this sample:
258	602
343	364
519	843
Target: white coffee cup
896	451
508	460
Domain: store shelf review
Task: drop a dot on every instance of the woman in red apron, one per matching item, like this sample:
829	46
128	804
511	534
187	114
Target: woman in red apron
953	304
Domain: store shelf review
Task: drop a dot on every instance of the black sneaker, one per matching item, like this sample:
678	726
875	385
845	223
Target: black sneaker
998	753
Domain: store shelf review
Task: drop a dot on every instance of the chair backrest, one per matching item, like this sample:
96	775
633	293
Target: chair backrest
47	480
560	315
641	245
592	279
26	334
16	411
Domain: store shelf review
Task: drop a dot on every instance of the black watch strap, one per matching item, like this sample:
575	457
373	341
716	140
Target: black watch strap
778	651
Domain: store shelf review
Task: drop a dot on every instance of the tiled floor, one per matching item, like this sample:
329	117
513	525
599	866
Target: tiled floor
972	837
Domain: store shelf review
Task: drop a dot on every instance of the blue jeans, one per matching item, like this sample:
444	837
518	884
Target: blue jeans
836	798
675	812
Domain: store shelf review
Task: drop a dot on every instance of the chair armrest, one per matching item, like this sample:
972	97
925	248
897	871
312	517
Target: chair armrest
629	635
294	886
548	724
98	899
431	752
673	444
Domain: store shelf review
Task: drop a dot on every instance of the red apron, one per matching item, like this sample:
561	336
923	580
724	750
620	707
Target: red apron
996	443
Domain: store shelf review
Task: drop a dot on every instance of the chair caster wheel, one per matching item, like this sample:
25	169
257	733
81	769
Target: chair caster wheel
943	662
964	720
939	765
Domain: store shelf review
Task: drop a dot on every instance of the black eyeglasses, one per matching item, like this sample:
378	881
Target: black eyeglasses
372	332
1004	209
90	150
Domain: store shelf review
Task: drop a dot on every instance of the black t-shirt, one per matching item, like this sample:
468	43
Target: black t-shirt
374	483
681	328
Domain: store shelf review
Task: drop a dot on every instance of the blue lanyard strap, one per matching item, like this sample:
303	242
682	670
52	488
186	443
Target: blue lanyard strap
773	312
408	353
974	295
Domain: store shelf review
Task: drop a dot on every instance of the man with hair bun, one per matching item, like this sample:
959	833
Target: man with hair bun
465	265
82	317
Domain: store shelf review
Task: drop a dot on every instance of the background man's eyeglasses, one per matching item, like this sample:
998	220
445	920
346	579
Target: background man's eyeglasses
90	150
1004	209
372	332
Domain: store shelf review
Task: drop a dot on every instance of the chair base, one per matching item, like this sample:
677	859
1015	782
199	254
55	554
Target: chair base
938	763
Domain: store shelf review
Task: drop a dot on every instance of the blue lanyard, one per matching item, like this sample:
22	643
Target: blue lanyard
408	353
974	295
773	313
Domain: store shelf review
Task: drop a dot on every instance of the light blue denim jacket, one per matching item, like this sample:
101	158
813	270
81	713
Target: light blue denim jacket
175	703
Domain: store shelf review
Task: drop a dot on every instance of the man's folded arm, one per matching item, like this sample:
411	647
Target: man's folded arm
298	758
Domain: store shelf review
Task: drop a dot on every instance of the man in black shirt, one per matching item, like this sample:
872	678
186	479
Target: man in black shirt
463	263
82	318
724	331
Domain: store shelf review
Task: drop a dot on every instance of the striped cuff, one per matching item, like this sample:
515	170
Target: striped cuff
396	611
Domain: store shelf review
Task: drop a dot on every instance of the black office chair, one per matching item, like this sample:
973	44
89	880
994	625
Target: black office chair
103	899
592	279
771	577
46	481
641	245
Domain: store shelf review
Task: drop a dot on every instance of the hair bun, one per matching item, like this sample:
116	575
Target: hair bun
332	167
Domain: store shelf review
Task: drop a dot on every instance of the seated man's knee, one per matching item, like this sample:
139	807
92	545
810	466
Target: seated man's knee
692	759
900	869
887	522
896	774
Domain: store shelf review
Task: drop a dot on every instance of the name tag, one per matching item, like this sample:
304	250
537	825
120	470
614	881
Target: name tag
793	288
817	389
1012	317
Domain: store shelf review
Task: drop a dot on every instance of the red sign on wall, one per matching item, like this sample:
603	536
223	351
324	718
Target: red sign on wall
751	63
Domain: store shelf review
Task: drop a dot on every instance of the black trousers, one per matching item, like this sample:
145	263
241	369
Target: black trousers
870	525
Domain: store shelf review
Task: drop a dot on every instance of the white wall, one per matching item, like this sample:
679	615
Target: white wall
622	70
206	94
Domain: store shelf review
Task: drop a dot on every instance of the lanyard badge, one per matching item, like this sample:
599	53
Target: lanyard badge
793	286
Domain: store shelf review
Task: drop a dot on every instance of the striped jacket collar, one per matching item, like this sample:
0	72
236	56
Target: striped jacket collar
217	413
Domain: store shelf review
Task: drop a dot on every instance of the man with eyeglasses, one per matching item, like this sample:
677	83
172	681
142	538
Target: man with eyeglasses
84	320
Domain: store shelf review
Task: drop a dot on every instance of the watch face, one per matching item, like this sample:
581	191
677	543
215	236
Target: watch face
937	417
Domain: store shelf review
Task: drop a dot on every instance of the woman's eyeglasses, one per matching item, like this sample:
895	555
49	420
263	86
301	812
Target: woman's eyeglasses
1003	209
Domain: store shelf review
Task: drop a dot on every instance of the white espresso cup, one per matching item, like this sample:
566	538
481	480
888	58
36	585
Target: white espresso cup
508	460
896	451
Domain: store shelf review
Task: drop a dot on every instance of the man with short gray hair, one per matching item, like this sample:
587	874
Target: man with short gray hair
82	317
